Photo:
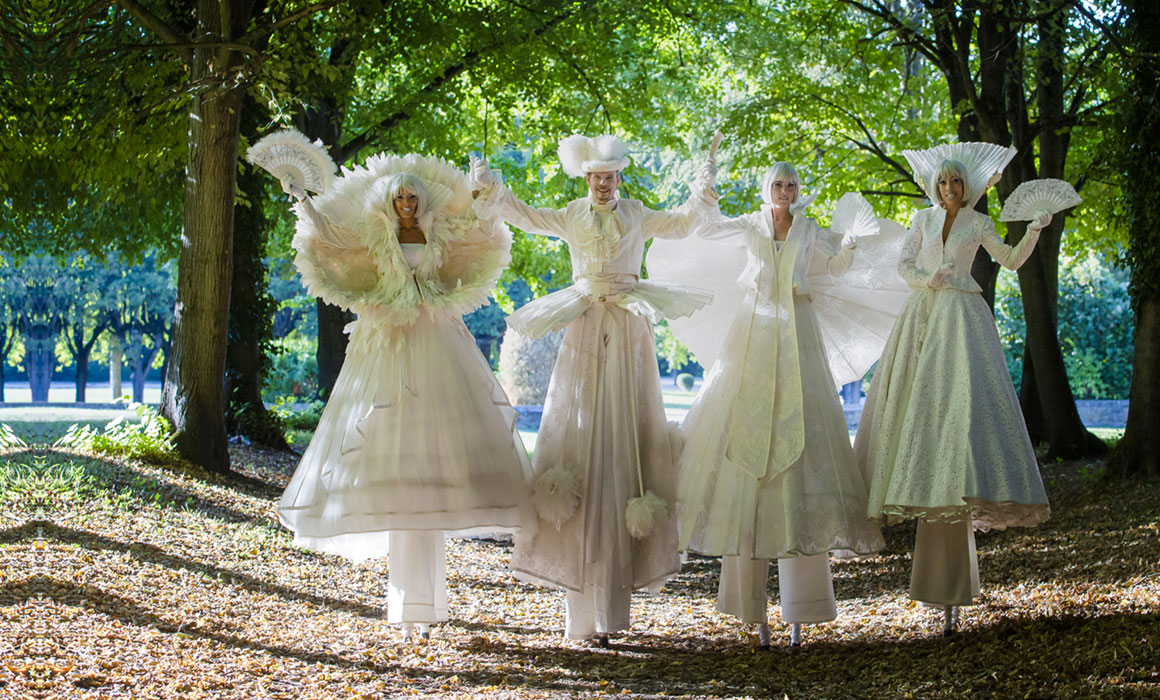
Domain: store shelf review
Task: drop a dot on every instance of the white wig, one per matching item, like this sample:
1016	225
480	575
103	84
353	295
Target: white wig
382	194
947	168
580	155
780	170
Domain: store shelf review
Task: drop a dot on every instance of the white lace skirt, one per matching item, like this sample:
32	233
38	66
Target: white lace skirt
815	505
942	437
417	435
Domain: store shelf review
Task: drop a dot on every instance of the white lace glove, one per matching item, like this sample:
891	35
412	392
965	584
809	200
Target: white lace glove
481	175
707	173
293	190
1040	223
849	242
940	277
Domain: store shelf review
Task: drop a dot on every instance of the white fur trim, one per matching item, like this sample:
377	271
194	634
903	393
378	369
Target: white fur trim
580	155
643	513
556	494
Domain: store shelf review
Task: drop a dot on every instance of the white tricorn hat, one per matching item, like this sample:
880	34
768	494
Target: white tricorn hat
581	155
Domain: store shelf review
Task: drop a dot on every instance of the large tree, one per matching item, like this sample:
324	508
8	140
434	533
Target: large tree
1138	159
80	302
1016	75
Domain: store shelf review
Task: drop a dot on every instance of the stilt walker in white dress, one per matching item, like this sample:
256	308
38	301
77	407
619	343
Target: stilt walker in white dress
942	437
767	470
605	478
417	440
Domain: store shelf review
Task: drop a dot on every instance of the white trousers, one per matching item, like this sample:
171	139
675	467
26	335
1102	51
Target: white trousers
804	585
946	568
417	581
598	610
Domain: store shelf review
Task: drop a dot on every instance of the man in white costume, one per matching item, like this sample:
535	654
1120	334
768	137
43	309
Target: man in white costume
604	464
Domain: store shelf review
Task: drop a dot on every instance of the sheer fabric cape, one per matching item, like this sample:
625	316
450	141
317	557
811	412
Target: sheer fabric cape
767	459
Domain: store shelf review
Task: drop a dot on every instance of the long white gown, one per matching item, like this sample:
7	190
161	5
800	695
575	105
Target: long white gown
942	437
604	418
767	459
417	436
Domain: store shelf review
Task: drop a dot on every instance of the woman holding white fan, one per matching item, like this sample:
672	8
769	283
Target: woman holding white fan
942	438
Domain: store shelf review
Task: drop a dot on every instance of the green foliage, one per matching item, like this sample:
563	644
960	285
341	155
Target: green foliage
525	366
1095	327
671	350
9	440
148	439
293	369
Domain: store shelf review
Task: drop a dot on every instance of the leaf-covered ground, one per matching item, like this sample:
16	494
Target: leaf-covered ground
121	579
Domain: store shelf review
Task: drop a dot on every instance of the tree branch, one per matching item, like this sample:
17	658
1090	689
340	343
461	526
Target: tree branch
467	62
158	26
260	33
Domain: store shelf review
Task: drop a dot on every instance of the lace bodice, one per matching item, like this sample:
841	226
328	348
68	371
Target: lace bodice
924	252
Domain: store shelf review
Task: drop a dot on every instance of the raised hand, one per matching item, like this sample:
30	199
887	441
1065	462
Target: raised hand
481	175
293	190
1040	223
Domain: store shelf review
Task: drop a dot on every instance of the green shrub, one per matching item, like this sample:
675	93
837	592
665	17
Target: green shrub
525	366
685	381
150	439
10	440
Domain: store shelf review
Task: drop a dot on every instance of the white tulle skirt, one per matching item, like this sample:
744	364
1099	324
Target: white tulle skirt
417	435
815	505
942	437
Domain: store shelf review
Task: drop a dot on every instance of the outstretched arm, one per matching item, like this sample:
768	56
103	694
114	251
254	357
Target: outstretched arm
495	201
320	229
1013	257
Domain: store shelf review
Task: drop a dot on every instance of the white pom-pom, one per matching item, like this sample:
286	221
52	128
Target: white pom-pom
643	513
573	151
556	494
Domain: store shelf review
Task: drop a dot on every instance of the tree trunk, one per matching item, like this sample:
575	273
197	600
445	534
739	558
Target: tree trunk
139	372
322	120
82	360
2	362
116	357
251	320
331	344
1069	439
1138	452
194	397
39	358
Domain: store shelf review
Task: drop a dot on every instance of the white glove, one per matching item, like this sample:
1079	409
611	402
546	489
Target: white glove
849	242
707	173
293	190
1040	223
940	277
481	175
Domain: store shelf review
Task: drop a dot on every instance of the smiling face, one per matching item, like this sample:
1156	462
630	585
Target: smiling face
406	204
951	190
602	186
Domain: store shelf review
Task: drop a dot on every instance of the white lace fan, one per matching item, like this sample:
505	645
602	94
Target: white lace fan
853	216
1036	197
289	156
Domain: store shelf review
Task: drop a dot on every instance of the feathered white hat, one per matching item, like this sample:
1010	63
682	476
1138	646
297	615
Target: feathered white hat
581	155
984	163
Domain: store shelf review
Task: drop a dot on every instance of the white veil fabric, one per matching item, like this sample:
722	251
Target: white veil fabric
856	311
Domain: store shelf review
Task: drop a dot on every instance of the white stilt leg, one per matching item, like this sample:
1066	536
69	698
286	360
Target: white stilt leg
795	635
